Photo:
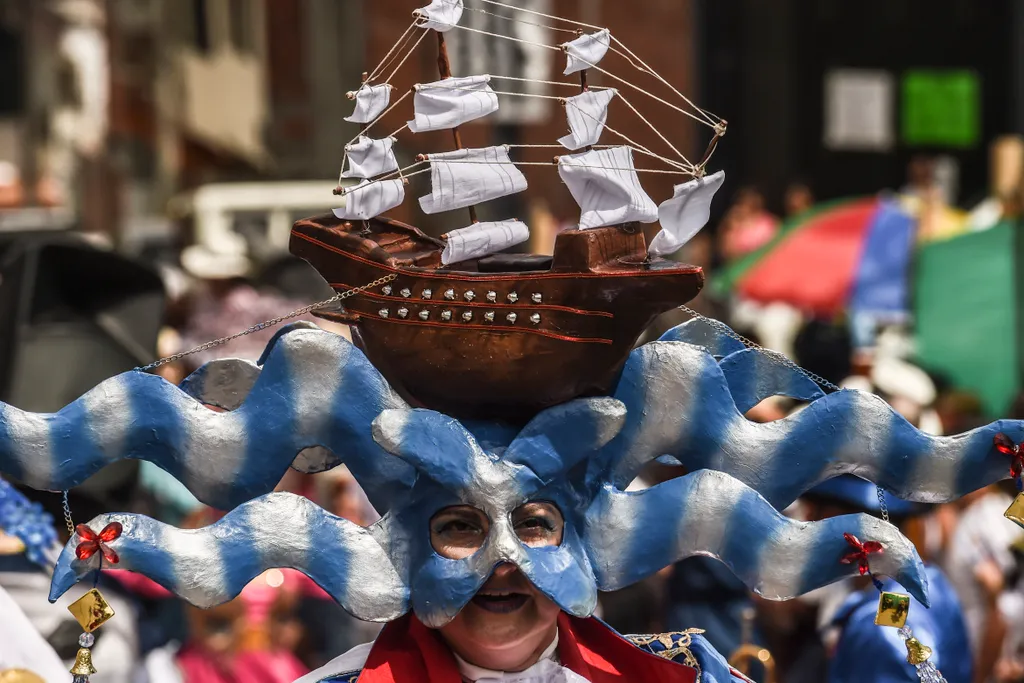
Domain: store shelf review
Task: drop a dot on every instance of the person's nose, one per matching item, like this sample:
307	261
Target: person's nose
504	569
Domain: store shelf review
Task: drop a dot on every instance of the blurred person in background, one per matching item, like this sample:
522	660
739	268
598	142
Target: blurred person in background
208	656
797	199
223	302
1006	175
1009	588
920	177
858	649
982	558
984	565
747	225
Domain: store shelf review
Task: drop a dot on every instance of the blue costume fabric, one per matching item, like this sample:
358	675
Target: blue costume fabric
867	652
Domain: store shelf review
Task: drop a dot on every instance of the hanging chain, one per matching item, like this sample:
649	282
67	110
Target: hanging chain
67	516
774	355
270	323
781	359
881	503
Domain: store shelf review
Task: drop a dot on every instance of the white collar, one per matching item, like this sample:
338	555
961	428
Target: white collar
541	672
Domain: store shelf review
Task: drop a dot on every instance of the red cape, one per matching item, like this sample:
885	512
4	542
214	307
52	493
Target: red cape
408	652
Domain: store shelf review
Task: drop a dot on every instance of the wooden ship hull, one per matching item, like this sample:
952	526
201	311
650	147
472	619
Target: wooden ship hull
498	337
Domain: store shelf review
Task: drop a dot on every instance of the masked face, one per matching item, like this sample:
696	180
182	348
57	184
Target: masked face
509	620
459	538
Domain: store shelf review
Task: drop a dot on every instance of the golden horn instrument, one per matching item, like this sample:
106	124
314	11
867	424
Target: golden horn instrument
747	654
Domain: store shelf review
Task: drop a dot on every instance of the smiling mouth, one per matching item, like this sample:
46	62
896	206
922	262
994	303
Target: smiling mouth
500	603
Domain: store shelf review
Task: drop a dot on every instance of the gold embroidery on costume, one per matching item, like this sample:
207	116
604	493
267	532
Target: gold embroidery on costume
673	646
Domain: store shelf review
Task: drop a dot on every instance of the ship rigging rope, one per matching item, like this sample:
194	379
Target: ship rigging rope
259	327
522	21
623	136
541	14
640	148
403	172
654	128
695	117
635	61
406	57
549	164
388	58
644	67
537	80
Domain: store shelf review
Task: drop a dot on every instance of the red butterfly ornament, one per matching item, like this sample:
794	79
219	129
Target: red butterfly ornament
93	542
860	552
1006	446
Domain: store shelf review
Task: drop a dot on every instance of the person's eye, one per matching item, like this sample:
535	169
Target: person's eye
456	526
458	532
537	523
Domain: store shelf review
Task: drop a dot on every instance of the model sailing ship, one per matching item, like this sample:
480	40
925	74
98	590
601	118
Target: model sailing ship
506	335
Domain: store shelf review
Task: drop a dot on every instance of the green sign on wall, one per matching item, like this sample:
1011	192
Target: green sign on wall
941	108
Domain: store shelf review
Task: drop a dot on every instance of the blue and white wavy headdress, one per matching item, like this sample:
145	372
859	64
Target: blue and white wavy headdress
314	400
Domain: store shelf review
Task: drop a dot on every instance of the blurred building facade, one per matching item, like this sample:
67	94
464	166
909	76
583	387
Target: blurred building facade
111	108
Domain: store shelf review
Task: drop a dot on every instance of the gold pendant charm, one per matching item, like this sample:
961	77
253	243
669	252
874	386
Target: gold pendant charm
1015	513
91	611
917	652
893	609
83	663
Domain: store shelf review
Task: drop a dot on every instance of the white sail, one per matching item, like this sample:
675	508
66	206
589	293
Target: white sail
605	185
587	114
586	51
470	176
368	158
370	199
440	15
371	101
685	214
483	239
452	102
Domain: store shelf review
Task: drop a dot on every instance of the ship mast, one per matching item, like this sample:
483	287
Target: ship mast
444	69
584	87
